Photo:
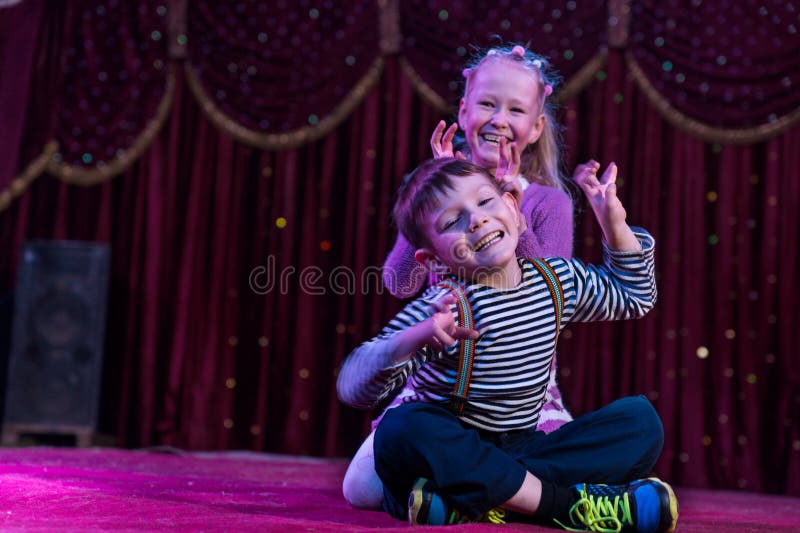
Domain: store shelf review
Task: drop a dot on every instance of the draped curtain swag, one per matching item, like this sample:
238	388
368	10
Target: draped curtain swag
724	75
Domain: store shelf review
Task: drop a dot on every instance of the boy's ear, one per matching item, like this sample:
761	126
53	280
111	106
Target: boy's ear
427	258
538	128
512	204
462	113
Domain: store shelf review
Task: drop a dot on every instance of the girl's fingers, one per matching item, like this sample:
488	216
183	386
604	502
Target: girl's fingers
461	156
436	138
502	152
516	159
450	133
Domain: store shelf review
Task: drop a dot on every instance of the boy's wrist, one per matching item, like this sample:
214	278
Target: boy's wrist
409	341
619	237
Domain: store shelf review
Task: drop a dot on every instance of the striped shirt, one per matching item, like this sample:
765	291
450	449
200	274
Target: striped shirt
517	341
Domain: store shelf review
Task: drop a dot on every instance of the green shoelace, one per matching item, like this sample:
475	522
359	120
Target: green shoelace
600	513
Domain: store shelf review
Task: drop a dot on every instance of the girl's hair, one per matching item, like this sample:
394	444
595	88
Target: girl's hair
419	193
540	162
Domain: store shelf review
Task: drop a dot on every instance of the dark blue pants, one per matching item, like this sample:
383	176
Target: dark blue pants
475	470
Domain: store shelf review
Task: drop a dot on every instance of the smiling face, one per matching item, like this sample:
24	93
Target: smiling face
473	230
502	99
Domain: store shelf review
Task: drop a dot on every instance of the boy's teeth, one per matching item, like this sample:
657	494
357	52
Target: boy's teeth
486	241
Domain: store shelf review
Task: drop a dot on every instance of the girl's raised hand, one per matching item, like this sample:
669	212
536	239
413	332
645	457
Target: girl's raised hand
442	141
507	171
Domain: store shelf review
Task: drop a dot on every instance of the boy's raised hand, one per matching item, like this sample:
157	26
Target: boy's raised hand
440	330
602	193
442	141
608	209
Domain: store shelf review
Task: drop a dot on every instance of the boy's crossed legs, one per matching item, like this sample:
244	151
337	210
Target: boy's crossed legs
474	471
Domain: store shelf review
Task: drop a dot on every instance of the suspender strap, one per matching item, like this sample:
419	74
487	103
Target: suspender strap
553	283
466	347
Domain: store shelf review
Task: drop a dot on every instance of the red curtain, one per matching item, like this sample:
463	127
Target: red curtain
243	273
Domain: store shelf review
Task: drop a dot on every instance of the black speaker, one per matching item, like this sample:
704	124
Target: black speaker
53	379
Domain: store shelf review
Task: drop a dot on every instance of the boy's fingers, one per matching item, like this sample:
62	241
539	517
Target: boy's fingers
610	174
582	174
465	333
447	299
590	180
434	308
442	336
442	304
611	190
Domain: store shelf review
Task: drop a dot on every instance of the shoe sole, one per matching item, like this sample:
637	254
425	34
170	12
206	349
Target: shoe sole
673	504
416	498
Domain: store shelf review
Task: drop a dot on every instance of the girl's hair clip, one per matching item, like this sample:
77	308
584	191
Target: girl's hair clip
537	63
548	90
491	52
518	51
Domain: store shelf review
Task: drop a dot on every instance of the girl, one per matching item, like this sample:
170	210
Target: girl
508	126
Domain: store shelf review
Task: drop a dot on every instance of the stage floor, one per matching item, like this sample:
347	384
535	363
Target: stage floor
65	489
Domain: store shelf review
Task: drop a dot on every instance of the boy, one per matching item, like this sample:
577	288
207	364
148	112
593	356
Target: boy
476	454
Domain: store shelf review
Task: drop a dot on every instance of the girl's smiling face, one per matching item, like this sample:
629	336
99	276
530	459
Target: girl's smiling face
502	100
474	232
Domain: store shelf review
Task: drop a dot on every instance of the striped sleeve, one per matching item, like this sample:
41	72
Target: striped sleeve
624	287
365	379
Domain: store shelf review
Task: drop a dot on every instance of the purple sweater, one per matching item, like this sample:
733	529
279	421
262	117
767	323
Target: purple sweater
547	211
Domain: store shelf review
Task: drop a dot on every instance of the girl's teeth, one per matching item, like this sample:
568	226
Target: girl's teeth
491	139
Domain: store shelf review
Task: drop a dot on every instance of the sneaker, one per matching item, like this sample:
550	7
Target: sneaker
644	506
425	507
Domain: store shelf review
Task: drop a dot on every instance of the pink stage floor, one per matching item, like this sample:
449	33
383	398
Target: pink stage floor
60	489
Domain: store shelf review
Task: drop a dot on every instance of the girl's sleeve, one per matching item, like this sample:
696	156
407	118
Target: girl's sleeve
548	213
403	277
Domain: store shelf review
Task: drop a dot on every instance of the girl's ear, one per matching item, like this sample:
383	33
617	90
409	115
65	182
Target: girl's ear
538	128
462	115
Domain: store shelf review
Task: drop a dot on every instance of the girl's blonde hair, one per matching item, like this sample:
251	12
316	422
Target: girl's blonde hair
541	161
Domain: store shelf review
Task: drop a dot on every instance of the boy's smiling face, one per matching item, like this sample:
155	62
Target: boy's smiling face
474	231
